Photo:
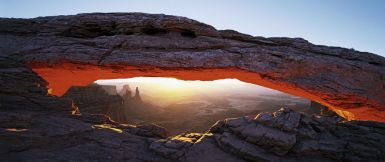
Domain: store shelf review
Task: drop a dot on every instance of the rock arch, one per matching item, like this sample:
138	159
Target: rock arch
78	49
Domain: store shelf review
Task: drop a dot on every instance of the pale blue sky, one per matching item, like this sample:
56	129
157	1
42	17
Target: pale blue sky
358	24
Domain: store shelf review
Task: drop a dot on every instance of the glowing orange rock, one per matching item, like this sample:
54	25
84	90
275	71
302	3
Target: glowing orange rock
62	77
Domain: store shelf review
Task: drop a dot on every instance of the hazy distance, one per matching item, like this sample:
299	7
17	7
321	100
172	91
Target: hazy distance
163	91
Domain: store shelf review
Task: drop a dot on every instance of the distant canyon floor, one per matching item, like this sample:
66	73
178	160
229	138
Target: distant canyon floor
192	114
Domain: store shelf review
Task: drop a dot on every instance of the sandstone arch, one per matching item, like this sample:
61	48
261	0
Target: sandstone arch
87	47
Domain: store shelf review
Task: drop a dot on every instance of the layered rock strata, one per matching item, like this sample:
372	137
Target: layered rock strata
37	126
79	49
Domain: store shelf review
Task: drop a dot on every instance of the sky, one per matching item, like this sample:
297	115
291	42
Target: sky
175	86
358	24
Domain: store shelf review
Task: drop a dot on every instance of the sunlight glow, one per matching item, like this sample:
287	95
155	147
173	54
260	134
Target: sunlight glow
172	86
107	126
15	130
167	82
173	90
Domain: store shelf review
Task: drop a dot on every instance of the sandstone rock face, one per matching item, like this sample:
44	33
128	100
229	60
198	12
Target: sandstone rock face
117	45
286	135
104	99
22	88
36	126
94	99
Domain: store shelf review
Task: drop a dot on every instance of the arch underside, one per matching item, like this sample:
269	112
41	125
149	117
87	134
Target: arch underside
63	76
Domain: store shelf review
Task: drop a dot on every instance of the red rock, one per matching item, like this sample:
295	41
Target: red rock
79	49
36	126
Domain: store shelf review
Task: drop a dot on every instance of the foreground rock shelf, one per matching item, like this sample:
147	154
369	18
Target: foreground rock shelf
36	125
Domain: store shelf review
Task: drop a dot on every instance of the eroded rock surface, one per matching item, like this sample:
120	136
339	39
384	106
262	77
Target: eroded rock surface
284	135
94	99
288	135
101	99
113	45
36	126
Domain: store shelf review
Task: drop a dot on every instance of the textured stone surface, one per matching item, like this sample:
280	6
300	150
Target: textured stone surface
101	99
49	129
36	126
321	138
94	99
342	79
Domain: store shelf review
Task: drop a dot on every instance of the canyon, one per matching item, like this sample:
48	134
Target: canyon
203	107
120	107
41	58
